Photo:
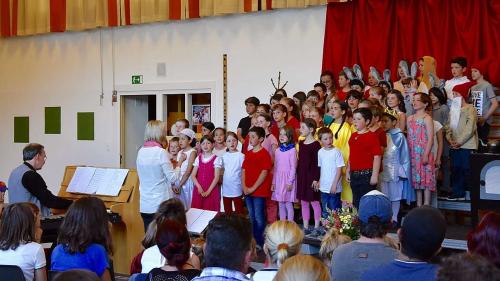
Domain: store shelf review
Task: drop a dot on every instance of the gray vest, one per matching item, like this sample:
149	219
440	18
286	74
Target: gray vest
17	192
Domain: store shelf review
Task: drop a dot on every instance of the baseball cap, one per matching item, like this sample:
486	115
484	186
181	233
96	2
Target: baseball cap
375	203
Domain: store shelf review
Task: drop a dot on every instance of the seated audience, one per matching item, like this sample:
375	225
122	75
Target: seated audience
283	239
302	268
76	275
227	249
484	240
331	241
421	236
466	267
18	241
151	257
172	238
84	240
351	260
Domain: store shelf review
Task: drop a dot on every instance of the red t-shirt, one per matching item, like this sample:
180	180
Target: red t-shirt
362	149
254	164
342	96
382	137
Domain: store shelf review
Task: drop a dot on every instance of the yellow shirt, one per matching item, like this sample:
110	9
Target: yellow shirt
342	143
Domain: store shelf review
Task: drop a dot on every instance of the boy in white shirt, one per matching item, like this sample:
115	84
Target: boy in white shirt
330	162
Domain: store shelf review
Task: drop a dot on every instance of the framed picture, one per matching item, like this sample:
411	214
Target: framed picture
201	113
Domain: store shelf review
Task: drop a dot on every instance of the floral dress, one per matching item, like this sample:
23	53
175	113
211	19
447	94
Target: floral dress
422	176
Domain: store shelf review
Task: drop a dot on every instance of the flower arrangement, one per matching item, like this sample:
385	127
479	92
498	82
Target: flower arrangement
344	220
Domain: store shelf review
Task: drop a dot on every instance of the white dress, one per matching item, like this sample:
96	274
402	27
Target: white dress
186	192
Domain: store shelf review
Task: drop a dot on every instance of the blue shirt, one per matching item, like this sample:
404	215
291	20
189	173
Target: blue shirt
94	258
399	270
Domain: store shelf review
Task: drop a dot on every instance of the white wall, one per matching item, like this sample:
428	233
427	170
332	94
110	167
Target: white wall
64	70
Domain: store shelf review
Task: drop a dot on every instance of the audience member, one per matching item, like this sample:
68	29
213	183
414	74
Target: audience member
466	267
76	275
484	239
351	260
421	236
302	268
172	238
18	241
227	249
331	241
84	240
283	239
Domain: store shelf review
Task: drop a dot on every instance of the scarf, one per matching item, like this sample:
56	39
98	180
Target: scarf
286	147
151	144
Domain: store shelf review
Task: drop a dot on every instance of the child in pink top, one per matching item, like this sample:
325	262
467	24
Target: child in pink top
284	185
206	173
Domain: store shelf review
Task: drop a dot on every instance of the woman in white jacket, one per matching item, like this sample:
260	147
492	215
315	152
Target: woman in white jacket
155	170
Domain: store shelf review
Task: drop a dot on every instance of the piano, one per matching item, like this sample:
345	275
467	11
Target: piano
127	230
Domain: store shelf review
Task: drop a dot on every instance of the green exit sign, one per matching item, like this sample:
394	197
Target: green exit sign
136	79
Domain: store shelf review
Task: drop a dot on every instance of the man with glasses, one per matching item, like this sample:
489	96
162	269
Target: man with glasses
26	185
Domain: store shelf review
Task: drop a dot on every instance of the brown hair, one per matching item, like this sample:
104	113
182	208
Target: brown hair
295	109
85	223
289	132
17	226
324	130
281	108
424	98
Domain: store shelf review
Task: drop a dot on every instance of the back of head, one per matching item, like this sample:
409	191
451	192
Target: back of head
228	239
171	209
484	240
375	213
466	267
330	242
283	240
85	223
155	131
76	275
422	233
17	225
174	243
303	268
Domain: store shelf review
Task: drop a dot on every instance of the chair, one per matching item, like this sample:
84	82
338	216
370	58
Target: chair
11	273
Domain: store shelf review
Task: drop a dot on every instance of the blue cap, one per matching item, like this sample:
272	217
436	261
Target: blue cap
375	203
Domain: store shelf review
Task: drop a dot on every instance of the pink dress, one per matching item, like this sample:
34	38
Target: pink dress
422	176
205	176
285	167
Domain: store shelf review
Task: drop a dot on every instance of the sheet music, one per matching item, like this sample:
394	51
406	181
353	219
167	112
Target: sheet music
112	182
98	180
81	179
197	219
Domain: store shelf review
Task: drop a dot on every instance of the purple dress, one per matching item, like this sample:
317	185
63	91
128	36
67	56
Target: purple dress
285	167
308	171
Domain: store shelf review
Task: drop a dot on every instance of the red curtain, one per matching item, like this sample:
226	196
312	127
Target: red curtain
382	32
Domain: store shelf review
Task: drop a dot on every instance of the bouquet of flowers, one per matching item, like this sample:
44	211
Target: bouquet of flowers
344	220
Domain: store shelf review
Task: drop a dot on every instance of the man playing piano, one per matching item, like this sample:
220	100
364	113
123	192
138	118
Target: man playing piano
26	185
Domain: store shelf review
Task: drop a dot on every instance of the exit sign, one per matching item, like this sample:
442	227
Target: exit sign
136	79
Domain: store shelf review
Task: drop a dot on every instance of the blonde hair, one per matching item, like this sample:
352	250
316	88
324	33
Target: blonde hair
283	240
330	242
303	268
154	131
